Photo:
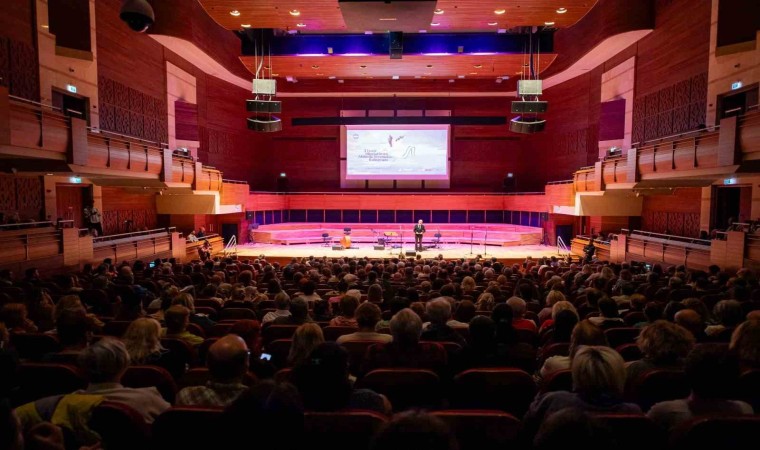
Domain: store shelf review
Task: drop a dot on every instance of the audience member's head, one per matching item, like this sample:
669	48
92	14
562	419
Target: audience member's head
564	323
142	339
586	333
305	339
711	371
438	311
176	318
728	313
227	359
690	320
518	306
348	305
598	372
367	316
745	342
104	361
250	331
664	342
322	378
406	327
414	430
576	426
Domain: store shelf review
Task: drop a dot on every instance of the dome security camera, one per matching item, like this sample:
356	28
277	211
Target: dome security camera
138	14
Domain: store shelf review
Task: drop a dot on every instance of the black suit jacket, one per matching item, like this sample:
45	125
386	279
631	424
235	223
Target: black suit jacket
419	228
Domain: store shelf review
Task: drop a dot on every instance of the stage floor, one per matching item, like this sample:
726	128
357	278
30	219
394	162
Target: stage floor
281	252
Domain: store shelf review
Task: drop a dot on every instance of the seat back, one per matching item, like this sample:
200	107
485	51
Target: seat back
629	352
38	380
621	335
482	429
559	380
715	432
237	313
332	333
33	346
120	427
196	329
341	430
182	350
634	317
116	328
405	388
555	349
658	385
748	388
279	349
633	431
220	329
151	376
273	332
187	427
505	389
356	351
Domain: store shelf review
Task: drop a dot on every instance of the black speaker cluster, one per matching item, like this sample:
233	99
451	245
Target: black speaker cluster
529	107
263	106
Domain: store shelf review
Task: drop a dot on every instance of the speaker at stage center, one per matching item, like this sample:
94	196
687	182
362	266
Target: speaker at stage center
411	253
337	247
379	247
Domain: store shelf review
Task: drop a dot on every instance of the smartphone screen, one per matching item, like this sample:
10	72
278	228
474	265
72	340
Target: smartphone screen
266	356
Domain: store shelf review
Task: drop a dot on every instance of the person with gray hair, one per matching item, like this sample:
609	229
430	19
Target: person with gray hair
439	312
299	313
406	350
103	364
519	306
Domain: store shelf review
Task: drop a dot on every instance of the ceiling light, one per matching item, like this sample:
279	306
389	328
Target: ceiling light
340	81
478	66
45	26
315	66
367	32
331	77
294	12
388	19
473	73
451	81
395	77
422	31
460	76
300	25
548	24
363	66
438	11
429	66
499	12
245	25
561	10
417	77
320	74
427	73
493	24
50	174
501	30
275	74
234	13
434	24
498	80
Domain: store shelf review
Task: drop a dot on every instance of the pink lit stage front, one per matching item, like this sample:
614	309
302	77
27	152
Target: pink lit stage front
295	240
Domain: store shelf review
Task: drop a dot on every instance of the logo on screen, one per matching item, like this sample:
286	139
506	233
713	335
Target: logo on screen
355	136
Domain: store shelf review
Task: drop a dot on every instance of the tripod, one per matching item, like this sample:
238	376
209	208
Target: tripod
472	236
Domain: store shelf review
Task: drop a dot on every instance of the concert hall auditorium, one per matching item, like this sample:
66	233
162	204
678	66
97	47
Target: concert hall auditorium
379	224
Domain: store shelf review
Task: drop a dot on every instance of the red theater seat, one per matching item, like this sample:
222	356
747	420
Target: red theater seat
509	390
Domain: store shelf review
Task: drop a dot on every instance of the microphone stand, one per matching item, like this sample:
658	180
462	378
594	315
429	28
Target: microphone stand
485	250
472	235
402	240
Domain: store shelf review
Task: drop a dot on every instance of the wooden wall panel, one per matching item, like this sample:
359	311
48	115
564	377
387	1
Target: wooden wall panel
23	195
121	205
676	214
19	67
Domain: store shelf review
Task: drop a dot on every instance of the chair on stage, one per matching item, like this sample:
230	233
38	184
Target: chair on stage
437	241
326	242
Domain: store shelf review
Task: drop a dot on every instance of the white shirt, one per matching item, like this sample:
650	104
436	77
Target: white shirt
94	215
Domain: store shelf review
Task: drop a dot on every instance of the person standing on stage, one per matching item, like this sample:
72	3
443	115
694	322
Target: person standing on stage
419	230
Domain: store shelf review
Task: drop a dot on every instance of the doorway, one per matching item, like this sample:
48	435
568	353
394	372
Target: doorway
229	230
72	105
730	204
70	200
736	103
565	232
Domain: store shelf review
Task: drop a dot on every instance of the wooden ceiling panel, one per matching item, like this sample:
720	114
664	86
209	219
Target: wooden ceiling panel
381	66
322	16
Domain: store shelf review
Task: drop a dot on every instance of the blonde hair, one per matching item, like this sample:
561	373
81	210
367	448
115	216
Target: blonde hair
598	370
67	303
586	333
468	284
185	300
306	338
553	297
142	339
561	306
663	341
485	302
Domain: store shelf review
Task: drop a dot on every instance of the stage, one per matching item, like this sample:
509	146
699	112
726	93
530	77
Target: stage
283	253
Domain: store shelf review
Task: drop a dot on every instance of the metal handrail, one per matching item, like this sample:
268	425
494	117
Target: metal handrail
26	224
668	237
95	130
231	247
679	136
561	182
469	194
224	180
562	248
200	240
111	237
32	102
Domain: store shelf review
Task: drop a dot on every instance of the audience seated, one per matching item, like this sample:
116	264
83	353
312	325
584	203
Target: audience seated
227	362
103	363
305	339
299	313
712	373
745	342
74	331
584	333
576	426
439	313
664	345
598	382
143	342
519	307
347	306
177	318
367	317
324	384
413	430
282	308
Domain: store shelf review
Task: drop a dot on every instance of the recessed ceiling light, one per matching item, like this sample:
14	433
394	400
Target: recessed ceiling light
294	12
300	25
460	76
275	74
340	81
331	77
438	11
478	66
315	66
50	174
428	73
367	32
246	25
429	66
473	73
434	24
548	24
363	66
451	81
561	10
493	24
234	13
395	77
388	19
498	80
422	31
499	12
45	26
